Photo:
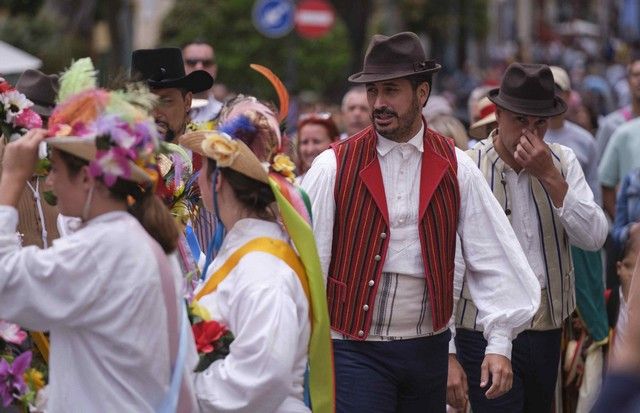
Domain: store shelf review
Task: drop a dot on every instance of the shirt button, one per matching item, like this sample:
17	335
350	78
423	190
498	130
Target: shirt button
360	333
371	283
377	258
383	235
365	308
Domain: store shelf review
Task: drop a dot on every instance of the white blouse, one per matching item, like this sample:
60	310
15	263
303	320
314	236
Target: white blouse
98	291
263	304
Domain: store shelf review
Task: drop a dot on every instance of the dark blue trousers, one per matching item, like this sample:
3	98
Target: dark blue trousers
534	360
404	376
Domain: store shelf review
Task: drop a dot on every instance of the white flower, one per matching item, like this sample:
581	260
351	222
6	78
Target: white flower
14	103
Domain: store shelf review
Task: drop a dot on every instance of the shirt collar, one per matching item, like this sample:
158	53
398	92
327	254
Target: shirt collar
384	145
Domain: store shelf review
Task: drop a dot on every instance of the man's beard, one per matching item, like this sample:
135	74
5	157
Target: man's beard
405	122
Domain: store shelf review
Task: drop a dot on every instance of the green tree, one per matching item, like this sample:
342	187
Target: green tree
320	65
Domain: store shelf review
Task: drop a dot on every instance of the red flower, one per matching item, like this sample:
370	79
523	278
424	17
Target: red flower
5	87
206	333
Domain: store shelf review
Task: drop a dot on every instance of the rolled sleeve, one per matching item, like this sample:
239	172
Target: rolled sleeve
582	218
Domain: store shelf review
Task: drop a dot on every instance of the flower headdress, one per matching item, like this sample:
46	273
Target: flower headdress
249	144
16	113
113	130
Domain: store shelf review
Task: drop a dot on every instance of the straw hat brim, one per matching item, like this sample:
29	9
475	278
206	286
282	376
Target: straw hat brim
246	162
477	130
85	148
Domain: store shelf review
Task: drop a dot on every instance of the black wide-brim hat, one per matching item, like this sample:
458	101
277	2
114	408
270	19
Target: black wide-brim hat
528	89
392	57
163	68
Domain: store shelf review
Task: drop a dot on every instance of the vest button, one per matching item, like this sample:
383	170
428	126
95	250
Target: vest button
365	308
360	333
507	211
371	283
383	235
377	257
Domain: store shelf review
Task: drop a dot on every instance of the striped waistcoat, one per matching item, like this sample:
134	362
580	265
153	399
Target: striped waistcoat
361	230
560	291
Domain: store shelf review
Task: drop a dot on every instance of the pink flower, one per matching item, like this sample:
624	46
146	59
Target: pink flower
28	119
111	165
11	333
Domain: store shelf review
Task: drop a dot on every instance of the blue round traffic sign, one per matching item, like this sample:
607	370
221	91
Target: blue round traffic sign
273	18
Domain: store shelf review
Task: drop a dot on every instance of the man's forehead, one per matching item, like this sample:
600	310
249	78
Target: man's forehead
198	49
390	82
169	91
518	115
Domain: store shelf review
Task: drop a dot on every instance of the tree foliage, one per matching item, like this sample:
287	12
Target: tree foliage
320	65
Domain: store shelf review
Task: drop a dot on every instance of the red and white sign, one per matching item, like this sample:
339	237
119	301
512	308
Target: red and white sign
314	18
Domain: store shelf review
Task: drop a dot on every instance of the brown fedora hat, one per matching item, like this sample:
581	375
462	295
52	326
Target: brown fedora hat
528	89
391	57
39	88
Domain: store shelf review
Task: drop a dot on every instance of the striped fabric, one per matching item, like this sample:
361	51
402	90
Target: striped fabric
560	280
361	231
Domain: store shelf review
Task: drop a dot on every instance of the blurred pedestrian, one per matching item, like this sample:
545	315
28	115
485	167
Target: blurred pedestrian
316	131
199	55
355	111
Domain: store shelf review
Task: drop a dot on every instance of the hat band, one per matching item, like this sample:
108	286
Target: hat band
487	110
394	67
529	103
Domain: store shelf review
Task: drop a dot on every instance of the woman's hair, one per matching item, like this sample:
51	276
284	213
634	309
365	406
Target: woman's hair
257	197
451	127
321	119
148	209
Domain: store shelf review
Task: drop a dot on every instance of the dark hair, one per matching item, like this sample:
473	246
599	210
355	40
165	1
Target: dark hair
197	40
147	208
417	80
256	196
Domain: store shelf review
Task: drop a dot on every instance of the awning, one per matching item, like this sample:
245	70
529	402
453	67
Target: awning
15	60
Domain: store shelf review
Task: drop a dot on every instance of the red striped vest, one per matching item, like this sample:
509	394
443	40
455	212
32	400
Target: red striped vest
361	230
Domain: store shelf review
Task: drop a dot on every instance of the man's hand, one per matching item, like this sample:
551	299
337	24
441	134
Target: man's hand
18	163
457	388
534	155
501	375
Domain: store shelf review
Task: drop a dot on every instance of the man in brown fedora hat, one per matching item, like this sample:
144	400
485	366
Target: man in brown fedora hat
388	204
542	189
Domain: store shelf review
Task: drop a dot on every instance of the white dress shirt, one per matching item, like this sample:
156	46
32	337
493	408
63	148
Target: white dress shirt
501	282
582	218
98	291
263	304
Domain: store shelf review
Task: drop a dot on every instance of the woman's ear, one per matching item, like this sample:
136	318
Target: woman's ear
85	178
218	182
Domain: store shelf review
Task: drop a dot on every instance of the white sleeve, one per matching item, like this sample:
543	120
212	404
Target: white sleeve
503	287
458	278
319	183
40	289
580	215
256	375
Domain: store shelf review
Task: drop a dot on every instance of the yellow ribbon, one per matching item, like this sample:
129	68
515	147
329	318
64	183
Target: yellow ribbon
275	247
